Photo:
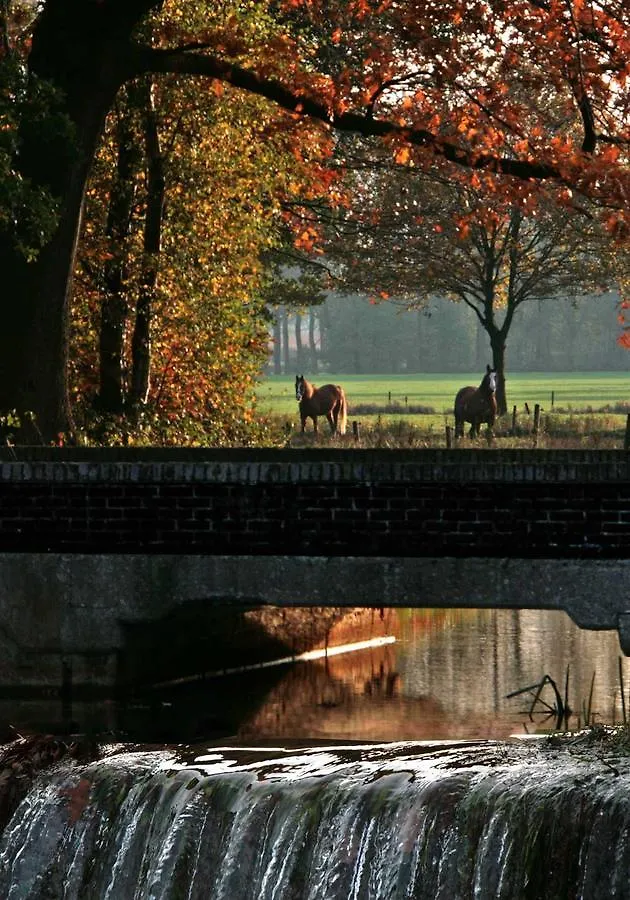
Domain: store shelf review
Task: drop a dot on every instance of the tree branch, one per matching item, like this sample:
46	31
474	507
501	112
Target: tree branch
148	59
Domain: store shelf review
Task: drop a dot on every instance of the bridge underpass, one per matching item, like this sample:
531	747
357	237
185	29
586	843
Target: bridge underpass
94	541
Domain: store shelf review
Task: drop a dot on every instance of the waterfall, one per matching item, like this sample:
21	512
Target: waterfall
437	821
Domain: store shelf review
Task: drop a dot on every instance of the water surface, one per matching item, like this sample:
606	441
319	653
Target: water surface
439	674
448	675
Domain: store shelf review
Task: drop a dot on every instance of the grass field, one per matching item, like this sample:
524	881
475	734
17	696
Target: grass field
572	391
578	410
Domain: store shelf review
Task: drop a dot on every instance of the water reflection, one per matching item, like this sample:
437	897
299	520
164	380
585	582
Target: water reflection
447	674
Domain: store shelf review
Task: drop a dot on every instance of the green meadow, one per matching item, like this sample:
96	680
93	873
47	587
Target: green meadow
559	391
578	410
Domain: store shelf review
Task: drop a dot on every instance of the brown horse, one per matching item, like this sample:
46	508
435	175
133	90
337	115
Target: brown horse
328	400
476	405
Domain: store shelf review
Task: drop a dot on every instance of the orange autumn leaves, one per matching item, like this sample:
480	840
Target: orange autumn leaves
537	90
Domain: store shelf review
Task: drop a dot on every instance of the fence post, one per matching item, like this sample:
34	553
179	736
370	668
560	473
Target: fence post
626	443
355	430
536	419
513	421
449	437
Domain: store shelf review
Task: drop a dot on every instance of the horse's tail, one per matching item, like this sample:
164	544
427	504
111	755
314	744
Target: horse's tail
343	412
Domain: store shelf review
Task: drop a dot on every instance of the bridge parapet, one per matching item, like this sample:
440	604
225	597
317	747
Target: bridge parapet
329	502
93	539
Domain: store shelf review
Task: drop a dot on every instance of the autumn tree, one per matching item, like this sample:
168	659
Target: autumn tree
413	236
174	278
434	80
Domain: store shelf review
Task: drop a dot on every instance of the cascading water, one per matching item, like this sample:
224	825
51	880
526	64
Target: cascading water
458	820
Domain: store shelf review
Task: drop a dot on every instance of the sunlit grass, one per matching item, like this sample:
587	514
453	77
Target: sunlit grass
589	411
569	391
595	431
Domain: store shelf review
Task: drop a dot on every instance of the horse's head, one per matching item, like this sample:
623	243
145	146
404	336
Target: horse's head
299	387
490	380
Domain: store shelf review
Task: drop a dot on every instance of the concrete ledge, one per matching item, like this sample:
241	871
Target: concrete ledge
74	607
132	465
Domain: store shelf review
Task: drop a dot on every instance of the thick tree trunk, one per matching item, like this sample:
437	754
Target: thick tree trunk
34	338
80	47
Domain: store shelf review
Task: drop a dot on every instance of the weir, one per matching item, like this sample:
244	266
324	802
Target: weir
364	822
94	541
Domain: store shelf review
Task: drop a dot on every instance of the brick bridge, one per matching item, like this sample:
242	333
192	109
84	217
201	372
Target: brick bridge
91	540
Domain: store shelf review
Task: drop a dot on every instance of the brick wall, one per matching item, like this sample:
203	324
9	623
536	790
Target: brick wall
319	502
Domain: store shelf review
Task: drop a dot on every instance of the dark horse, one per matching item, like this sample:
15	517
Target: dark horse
476	405
328	400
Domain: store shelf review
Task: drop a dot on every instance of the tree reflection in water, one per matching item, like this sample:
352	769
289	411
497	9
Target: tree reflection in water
447	676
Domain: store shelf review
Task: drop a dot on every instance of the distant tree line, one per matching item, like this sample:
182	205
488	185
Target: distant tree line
352	334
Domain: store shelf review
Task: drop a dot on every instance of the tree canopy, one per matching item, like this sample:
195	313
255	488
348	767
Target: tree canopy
411	236
535	89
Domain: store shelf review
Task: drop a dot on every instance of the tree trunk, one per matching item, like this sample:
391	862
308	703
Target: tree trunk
141	340
299	349
285	341
77	46
497	333
481	348
114	308
324	333
497	342
312	322
5	47
277	344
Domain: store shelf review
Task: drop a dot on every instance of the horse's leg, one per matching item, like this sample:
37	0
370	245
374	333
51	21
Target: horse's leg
332	420
314	418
